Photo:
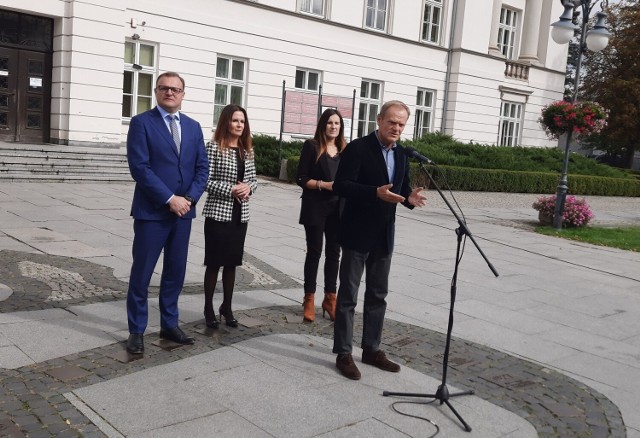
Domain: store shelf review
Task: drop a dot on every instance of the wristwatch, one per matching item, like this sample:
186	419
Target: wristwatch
191	200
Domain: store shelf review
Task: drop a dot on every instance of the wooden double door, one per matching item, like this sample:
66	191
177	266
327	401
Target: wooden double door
25	95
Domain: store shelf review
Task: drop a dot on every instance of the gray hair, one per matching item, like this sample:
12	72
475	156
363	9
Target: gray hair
391	103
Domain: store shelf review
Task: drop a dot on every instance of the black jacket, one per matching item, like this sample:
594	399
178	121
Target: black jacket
368	222
316	204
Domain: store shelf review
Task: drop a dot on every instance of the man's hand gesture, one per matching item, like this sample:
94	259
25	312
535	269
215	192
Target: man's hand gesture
416	198
385	193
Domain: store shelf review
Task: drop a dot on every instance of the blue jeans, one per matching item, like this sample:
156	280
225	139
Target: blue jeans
377	264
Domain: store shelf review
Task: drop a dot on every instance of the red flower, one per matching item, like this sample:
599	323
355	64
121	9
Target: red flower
584	118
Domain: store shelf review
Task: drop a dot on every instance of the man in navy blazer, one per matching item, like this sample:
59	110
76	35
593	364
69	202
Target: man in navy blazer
168	161
372	178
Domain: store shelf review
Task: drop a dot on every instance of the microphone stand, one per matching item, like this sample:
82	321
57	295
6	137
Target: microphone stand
442	393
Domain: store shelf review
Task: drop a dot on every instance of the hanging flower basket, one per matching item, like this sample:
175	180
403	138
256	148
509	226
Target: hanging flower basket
582	118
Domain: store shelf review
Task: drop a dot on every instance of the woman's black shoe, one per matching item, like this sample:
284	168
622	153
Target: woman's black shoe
210	320
229	320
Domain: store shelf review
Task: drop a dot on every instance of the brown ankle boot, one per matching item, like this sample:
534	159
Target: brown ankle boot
308	305
329	305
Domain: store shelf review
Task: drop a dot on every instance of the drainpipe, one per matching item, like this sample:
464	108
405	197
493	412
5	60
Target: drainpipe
445	100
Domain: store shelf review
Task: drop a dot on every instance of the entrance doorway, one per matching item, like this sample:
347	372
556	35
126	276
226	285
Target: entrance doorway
25	95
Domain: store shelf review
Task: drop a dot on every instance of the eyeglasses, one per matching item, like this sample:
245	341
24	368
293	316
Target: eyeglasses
174	90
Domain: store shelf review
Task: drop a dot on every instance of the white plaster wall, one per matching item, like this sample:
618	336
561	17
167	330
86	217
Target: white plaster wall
89	46
51	8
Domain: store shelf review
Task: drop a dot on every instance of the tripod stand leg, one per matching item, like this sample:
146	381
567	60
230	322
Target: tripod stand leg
407	394
457	394
466	426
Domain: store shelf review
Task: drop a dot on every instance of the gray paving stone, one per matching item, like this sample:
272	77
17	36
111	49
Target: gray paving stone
592	286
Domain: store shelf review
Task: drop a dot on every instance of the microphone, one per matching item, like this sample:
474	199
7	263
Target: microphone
412	153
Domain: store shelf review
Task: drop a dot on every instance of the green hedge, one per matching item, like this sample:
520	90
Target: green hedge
475	167
445	151
267	153
492	180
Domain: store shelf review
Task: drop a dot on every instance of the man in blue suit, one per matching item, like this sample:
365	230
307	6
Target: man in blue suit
168	161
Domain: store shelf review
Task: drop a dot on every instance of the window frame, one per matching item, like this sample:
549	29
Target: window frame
511	123
387	13
229	82
432	4
307	72
136	69
419	129
508	33
368	102
323	6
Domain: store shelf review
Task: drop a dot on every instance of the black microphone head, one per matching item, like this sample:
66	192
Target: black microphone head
409	150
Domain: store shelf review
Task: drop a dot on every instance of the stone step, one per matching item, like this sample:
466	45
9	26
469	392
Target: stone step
64	178
55	163
56	168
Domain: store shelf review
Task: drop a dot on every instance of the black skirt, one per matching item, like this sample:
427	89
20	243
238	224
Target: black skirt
224	241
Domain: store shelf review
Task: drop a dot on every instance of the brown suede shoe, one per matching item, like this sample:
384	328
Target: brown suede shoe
379	359
348	368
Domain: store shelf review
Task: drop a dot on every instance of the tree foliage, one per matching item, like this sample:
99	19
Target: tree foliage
613	80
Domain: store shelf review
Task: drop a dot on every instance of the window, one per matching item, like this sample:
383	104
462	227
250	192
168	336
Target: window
370	98
376	14
139	78
510	119
307	79
424	113
507	32
230	84
431	21
315	7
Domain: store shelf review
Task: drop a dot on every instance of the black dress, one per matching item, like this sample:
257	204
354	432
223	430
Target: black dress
224	241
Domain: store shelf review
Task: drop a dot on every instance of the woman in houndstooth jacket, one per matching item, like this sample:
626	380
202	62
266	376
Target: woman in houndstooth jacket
232	180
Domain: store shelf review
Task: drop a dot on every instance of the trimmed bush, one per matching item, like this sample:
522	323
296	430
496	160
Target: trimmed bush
475	167
495	180
268	153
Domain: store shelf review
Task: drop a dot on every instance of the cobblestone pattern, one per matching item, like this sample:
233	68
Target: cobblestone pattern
41	281
32	399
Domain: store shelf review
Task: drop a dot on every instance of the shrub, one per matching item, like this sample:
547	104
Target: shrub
268	153
576	211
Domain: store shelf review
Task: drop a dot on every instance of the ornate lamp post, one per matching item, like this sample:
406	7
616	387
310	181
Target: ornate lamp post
596	39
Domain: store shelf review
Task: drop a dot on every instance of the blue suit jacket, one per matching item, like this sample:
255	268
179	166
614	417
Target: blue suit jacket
159	170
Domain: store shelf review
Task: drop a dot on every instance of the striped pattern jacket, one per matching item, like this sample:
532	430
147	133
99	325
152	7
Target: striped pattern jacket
223	172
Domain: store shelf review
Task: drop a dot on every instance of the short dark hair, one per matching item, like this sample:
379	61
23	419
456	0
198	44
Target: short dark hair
170	74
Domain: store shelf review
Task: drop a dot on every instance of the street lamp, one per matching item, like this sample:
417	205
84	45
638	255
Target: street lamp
595	40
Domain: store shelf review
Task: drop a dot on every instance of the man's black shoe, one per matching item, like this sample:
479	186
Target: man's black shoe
176	335
135	343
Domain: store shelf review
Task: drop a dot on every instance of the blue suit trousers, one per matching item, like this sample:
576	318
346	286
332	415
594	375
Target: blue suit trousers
150	239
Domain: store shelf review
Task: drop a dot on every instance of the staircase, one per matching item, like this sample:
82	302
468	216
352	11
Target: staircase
21	162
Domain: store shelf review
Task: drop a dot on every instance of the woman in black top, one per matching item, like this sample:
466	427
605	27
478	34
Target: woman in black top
319	210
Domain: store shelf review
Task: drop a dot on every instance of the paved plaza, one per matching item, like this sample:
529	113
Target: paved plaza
550	348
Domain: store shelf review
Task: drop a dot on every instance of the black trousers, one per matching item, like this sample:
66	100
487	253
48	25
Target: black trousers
315	234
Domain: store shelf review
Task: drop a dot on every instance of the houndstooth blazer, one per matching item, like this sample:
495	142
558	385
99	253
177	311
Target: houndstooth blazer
223	173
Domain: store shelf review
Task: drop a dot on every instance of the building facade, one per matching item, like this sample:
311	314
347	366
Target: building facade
74	72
